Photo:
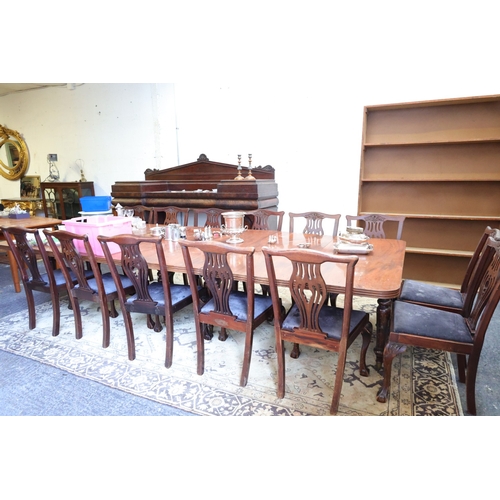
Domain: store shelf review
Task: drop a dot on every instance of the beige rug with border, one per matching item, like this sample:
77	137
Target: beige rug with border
423	381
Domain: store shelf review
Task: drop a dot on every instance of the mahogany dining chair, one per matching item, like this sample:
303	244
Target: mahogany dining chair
314	222
262	219
430	328
155	299
36	278
170	215
99	287
310	320
225	307
143	212
373	224
450	299
207	217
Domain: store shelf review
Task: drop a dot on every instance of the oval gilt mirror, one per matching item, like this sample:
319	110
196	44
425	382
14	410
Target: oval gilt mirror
14	156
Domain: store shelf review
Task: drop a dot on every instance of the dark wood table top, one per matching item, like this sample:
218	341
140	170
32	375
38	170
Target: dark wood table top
30	222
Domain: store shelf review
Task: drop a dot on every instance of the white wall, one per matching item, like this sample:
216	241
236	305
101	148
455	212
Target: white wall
118	130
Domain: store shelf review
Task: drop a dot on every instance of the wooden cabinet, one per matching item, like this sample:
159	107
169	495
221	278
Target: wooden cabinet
437	163
61	200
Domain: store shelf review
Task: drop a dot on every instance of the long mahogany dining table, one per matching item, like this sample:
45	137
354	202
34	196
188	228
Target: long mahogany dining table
28	223
377	274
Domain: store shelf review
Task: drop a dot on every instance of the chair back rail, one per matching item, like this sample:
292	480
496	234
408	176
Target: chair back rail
374	224
314	222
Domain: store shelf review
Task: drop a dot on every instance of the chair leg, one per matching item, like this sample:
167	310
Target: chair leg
56	316
31	307
150	322
247	358
390	352
295	351
470	384
208	331
280	355
333	299
157	324
223	335
129	329
367	336
200	347
169	342
462	365
106	329
339	380
112	309
78	318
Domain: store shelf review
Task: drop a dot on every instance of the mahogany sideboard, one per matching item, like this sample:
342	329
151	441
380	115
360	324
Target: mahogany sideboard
201	184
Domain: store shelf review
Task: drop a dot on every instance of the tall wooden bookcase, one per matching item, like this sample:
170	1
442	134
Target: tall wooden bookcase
437	163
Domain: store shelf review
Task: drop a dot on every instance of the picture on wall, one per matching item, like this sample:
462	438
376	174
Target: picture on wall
30	186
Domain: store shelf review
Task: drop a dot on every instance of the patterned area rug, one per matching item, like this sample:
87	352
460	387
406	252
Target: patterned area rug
423	381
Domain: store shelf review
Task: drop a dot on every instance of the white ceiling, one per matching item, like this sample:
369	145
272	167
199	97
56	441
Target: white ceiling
11	88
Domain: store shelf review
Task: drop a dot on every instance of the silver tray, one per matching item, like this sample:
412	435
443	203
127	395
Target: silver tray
351	248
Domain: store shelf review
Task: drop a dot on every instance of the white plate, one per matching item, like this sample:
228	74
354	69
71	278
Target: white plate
352	248
97	213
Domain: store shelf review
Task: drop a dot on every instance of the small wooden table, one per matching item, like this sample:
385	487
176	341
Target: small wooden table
28	223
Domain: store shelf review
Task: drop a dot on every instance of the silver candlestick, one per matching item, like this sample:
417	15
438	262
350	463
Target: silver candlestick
250	177
239	177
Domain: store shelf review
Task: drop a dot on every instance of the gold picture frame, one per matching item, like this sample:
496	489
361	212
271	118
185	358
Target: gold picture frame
30	186
14	156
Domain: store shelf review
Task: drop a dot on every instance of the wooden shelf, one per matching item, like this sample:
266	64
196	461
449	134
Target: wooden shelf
438	164
432	143
440	251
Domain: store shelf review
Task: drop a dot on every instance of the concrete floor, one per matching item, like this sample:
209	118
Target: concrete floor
488	378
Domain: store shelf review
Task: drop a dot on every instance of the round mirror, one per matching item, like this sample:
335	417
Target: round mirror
14	156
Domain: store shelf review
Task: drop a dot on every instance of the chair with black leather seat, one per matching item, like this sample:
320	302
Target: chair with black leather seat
263	219
426	327
170	215
310	321
36	278
155	299
98	287
450	299
314	222
207	217
373	224
225	307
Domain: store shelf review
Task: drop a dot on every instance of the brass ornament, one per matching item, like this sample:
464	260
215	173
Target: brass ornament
14	151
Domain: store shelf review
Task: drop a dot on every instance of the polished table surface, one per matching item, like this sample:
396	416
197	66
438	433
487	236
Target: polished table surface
377	274
28	223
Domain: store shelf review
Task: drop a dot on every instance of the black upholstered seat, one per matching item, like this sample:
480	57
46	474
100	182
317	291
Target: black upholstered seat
450	299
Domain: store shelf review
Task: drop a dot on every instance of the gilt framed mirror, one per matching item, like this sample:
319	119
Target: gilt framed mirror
14	156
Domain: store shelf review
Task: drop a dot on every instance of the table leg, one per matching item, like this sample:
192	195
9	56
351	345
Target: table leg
384	311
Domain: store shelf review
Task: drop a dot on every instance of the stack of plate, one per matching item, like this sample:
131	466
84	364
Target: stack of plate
354	243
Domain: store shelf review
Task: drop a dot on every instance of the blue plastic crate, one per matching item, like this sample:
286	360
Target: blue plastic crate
95	203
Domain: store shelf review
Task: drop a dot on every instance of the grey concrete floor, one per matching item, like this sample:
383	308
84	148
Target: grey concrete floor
30	388
487	384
